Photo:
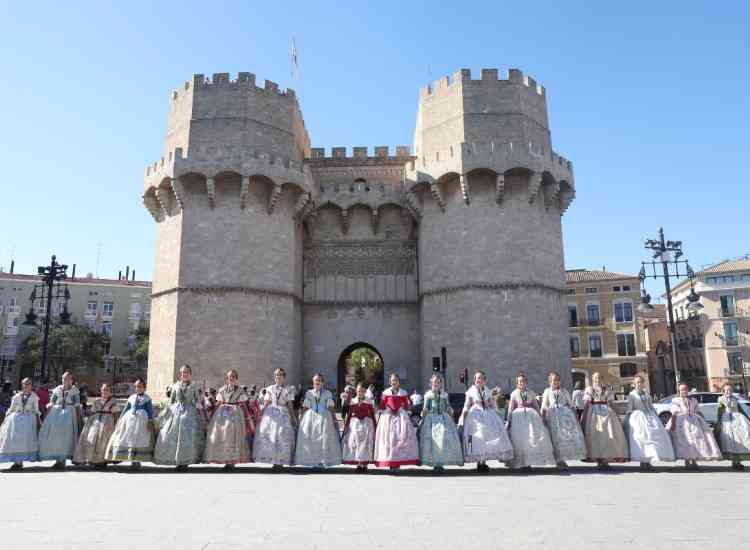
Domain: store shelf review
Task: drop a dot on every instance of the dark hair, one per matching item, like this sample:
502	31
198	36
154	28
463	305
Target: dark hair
280	371
139	380
322	378
553	373
188	367
578	385
394	374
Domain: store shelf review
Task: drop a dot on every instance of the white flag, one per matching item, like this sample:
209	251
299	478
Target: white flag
295	61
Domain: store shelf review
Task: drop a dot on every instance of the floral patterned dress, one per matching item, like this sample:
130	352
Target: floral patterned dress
181	439
567	438
59	433
96	433
19	441
275	436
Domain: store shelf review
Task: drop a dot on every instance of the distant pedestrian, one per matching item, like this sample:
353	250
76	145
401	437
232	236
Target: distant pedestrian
5	397
43	394
416	400
577	399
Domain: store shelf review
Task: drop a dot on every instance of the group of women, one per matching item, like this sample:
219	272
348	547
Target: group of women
238	429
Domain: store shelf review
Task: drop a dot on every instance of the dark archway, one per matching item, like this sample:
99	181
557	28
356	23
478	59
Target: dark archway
361	362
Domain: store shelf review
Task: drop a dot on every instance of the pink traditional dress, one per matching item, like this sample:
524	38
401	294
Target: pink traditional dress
395	438
691	437
532	444
358	441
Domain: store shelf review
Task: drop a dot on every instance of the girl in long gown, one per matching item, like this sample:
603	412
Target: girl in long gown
532	445
182	437
396	442
97	431
691	437
274	438
231	426
318	440
605	440
732	429
59	433
19	440
648	439
133	438
439	444
562	422
484	434
358	441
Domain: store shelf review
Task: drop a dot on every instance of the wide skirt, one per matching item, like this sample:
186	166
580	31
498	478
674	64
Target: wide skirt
94	438
565	431
318	442
532	445
59	434
439	444
18	438
605	439
133	438
181	440
649	440
692	438
734	436
359	441
395	440
274	438
485	437
226	436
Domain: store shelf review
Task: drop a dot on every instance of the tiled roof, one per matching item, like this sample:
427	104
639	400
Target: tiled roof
593	275
728	266
78	280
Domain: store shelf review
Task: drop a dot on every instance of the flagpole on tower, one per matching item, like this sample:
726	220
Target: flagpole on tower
294	60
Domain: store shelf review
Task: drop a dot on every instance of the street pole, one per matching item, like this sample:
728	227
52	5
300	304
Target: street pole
672	327
49	281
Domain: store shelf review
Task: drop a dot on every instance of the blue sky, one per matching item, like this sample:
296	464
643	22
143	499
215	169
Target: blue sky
649	100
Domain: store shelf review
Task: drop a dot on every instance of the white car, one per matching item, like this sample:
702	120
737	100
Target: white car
708	405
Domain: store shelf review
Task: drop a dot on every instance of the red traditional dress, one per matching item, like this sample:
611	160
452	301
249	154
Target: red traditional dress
358	443
395	438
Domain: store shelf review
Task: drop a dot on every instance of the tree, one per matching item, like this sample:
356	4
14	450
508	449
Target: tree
69	346
139	349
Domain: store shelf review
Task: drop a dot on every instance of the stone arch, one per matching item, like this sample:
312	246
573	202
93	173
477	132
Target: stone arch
343	369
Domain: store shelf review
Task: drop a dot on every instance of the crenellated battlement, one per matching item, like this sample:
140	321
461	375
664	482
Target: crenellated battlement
361	152
243	80
489	77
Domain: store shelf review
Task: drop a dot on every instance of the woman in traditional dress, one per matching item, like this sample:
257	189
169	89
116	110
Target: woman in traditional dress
19	441
648	439
484	434
318	439
577	399
691	437
396	442
605	440
96	433
133	438
274	438
358	441
732	429
562	421
59	433
532	445
181	439
231	426
439	443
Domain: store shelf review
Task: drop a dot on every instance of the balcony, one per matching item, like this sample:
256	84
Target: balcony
595	322
595	353
572	322
727	312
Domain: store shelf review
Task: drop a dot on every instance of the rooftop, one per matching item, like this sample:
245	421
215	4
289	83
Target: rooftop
728	266
594	275
4	276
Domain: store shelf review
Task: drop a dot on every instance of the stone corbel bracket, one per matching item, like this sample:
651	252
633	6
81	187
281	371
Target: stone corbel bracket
244	189
273	198
211	191
551	194
437	195
162	196
345	220
154	208
464	188
535	183
500	189
178	191
375	219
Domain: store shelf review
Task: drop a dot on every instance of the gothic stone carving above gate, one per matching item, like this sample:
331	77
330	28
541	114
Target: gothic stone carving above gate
360	258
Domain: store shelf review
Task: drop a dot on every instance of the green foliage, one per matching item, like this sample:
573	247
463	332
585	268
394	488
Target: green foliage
139	351
69	346
366	367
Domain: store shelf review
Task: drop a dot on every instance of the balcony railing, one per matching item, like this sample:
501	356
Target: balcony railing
572	323
595	353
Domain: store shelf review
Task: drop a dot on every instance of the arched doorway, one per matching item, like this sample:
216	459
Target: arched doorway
361	362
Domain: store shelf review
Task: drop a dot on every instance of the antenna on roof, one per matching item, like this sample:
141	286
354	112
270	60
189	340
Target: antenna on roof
98	257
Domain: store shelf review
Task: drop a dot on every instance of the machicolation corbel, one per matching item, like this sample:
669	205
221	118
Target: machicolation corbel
535	182
273	198
244	188
499	188
464	188
178	191
211	191
437	195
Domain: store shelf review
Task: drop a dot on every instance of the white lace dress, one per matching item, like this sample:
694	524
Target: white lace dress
318	440
564	429
484	434
274	438
649	440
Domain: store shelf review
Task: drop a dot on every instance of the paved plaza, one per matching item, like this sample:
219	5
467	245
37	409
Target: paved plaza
207	509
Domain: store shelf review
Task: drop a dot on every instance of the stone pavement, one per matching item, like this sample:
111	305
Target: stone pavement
206	509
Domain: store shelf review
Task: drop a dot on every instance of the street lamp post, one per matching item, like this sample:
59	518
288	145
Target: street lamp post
49	288
666	254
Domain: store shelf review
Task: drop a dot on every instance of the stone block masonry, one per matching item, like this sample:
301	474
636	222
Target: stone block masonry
271	253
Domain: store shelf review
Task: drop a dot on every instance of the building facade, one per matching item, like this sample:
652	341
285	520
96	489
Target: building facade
115	308
723	323
603	327
272	253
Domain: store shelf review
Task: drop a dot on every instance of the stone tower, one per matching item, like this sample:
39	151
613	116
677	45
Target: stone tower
270	253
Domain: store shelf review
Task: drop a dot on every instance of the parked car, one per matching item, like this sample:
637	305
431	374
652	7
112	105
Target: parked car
708	405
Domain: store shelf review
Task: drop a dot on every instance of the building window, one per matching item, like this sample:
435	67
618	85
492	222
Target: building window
91	324
107	329
592	314
727	305
591	290
570	291
628	370
595	345
624	312
625	345
108	309
135	310
91	309
734	362
730	333
572	315
147	311
615	289
626	288
107	348
575	346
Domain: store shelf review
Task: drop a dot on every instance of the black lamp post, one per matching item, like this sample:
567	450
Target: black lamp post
667	255
49	288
